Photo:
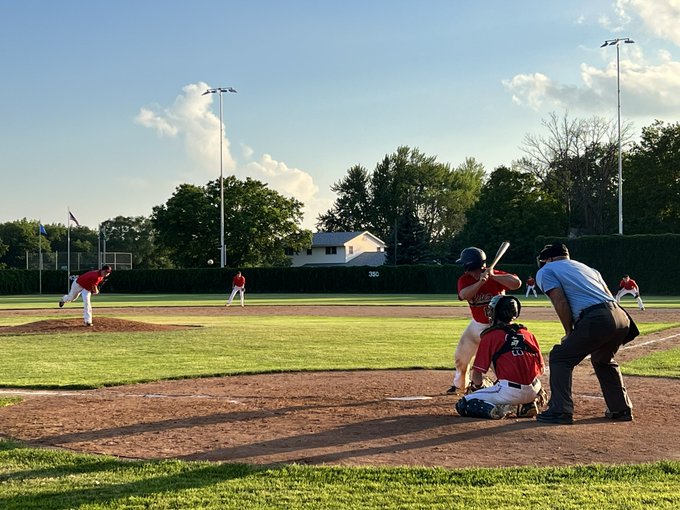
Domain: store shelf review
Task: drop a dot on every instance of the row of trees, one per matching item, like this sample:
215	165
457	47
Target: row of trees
260	224
566	183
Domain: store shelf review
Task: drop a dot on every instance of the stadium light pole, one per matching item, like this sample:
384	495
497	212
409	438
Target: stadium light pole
223	253
616	42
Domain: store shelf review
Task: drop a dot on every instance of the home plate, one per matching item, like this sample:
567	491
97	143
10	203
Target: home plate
409	398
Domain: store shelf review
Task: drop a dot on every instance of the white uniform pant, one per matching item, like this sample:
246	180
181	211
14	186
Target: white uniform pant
77	290
233	293
508	393
466	351
636	295
531	288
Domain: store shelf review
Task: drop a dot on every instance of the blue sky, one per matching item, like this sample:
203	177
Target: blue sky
101	107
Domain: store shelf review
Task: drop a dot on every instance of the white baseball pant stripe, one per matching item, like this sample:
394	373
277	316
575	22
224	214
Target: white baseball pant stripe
502	393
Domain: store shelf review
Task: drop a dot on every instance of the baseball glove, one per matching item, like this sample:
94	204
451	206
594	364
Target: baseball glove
472	387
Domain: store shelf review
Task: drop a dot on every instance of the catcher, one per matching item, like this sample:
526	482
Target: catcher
85	285
517	361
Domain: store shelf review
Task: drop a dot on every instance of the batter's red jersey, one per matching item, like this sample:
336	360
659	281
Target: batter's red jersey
88	280
479	301
239	281
517	366
628	285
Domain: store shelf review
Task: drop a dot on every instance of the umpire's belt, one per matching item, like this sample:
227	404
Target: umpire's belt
607	304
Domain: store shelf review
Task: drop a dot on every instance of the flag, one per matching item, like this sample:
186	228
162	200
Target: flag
73	218
42	230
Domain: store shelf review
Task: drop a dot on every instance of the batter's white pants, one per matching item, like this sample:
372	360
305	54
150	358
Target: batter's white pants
636	295
77	290
505	392
466	351
233	293
531	288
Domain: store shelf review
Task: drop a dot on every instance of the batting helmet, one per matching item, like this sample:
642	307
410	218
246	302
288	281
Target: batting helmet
503	308
471	258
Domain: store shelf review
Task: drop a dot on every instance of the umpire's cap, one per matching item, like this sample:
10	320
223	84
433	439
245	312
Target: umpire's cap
550	251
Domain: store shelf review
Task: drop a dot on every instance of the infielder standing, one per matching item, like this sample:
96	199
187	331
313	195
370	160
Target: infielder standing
531	286
238	284
477	286
628	286
86	285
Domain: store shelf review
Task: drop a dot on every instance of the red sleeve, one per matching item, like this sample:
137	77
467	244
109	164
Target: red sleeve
484	352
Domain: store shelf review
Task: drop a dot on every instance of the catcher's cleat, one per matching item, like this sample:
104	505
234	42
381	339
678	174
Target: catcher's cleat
527	410
625	415
452	390
61	304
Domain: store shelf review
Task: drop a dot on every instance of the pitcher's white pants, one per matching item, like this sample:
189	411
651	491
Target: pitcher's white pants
233	293
466	351
77	290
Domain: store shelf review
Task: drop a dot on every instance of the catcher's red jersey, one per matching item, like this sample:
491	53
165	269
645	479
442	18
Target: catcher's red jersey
518	366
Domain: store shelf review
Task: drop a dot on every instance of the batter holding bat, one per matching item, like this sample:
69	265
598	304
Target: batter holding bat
478	285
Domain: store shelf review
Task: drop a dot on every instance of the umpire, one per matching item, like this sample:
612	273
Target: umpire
593	324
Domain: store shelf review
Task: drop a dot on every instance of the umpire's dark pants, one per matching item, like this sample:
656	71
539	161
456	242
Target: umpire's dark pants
600	332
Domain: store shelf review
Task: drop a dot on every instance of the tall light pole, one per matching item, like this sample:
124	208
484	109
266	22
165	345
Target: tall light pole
616	42
223	253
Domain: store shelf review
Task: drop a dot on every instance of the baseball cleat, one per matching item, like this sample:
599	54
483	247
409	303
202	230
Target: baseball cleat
555	418
61	304
625	415
452	390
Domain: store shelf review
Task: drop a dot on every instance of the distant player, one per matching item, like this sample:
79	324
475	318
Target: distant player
531	286
85	285
238	284
517	361
477	286
628	286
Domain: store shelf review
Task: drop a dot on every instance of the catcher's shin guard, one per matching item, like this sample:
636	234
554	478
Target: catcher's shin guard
476	408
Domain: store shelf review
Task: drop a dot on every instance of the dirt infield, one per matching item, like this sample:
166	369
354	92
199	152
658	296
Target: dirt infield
390	417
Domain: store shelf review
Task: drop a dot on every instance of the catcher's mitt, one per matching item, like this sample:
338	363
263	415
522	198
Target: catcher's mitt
472	387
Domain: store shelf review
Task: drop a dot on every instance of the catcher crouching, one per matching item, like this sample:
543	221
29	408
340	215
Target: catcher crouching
517	362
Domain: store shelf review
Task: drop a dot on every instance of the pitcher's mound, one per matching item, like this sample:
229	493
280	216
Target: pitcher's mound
101	324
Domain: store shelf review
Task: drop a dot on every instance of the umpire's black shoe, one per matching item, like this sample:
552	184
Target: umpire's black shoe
555	418
625	415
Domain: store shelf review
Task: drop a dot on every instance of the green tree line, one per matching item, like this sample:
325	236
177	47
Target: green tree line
565	184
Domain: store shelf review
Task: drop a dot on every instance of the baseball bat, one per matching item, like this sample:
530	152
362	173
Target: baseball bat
501	251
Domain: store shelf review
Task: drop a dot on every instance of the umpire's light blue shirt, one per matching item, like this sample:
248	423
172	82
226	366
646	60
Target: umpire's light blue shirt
583	286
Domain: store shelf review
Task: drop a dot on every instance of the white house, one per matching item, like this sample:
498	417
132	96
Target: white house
341	248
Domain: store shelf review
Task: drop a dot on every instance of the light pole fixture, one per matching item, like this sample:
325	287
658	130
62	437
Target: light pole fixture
223	253
616	42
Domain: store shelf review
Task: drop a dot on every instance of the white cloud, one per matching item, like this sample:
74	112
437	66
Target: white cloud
651	88
191	119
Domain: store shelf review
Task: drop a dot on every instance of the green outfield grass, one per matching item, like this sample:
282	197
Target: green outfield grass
57	480
109	300
233	344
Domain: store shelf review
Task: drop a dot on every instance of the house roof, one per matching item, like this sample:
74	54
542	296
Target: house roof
368	259
321	239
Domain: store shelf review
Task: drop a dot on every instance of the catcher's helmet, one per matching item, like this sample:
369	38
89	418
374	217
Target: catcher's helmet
471	258
503	308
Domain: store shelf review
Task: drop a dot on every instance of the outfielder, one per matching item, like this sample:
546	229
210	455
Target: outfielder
477	286
85	285
628	286
517	362
238	284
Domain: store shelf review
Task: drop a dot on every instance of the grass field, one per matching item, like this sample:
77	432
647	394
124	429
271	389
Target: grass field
47	479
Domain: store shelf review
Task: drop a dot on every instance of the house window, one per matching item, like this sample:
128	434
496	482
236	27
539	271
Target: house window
350	250
379	249
309	251
290	252
331	250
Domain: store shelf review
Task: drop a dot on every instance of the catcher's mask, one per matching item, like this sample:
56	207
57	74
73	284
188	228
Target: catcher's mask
503	308
472	258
